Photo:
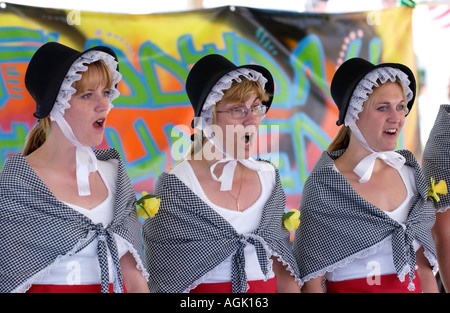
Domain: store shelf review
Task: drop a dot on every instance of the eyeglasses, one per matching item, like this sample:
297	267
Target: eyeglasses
241	112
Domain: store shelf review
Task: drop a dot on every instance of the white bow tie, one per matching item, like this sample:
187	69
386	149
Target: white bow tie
365	167
226	179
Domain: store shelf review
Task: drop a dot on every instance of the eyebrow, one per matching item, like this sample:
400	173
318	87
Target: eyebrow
256	99
389	101
240	103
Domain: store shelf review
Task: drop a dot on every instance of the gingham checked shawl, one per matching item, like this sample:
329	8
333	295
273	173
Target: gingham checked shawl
37	230
436	155
187	239
337	225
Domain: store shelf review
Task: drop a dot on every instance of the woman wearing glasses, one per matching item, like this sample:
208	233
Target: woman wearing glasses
219	227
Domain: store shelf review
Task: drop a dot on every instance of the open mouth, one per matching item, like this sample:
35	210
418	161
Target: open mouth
248	137
391	131
99	123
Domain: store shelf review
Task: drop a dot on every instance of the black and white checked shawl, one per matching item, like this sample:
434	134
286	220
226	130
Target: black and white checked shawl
37	230
436	155
187	239
337	225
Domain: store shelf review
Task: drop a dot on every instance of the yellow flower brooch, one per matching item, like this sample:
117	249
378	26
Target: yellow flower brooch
434	190
291	219
147	205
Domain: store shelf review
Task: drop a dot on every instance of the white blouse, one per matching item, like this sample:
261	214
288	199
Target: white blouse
243	222
83	267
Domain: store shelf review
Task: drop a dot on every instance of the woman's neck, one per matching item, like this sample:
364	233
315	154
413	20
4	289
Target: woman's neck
351	157
55	152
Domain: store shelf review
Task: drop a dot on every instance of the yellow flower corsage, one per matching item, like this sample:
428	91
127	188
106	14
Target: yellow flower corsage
291	219
147	205
434	190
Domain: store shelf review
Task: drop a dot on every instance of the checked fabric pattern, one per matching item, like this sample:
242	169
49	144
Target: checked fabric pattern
337	225
436	155
187	239
37	230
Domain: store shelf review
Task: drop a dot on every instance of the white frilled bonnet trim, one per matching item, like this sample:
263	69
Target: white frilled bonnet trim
216	93
365	88
66	90
85	157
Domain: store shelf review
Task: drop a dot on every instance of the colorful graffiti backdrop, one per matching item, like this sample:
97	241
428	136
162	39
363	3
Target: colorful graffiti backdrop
150	124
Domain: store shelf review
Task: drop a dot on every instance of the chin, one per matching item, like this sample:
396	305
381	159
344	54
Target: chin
388	148
94	143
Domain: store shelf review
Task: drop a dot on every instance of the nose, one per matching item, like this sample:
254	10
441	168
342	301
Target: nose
396	116
251	119
102	103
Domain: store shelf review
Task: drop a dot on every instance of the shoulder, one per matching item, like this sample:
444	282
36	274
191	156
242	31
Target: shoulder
110	160
407	154
267	165
12	161
325	166
15	168
268	172
410	159
168	183
185	173
181	168
107	154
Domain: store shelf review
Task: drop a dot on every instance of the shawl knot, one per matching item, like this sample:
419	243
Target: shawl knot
402	238
238	276
106	242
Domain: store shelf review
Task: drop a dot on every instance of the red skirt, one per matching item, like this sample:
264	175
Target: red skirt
256	286
96	288
387	284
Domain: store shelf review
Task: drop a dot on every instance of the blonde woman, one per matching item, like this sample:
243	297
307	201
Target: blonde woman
68	221
219	227
365	219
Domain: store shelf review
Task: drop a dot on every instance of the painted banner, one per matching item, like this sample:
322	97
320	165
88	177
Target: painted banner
150	122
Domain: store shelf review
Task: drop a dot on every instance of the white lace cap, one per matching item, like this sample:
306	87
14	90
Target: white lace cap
206	119
365	88
360	95
216	93
85	157
66	91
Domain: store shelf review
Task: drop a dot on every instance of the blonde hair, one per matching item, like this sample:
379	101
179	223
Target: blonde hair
37	135
342	138
96	70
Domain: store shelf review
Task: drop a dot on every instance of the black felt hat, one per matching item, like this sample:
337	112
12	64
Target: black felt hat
209	70
350	73
46	72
